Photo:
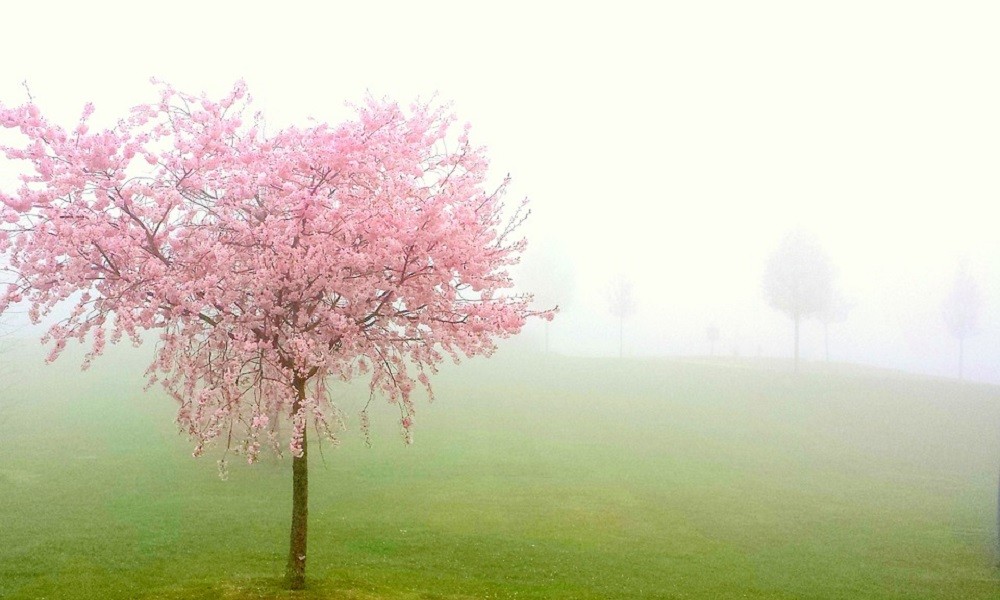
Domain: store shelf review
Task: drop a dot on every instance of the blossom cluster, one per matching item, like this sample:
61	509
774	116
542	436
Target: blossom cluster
271	264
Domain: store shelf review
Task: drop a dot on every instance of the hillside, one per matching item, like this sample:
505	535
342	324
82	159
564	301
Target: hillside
532	476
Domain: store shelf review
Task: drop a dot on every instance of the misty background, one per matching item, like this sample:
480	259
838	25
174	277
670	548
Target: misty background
673	146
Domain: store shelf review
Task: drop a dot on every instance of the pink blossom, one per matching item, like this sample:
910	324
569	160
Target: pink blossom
306	255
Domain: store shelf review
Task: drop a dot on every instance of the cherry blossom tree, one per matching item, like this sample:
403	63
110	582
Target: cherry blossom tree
798	280
270	264
961	311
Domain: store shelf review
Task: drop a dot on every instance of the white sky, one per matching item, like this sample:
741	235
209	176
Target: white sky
675	142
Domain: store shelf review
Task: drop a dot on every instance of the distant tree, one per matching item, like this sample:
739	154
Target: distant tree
836	311
798	280
961	311
712	334
547	270
271	265
621	304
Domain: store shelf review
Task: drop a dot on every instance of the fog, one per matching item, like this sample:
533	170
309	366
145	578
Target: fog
673	146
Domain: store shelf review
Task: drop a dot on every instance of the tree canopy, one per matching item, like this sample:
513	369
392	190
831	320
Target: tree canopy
798	280
370	247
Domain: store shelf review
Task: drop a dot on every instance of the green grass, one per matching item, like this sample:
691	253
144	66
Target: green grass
531	477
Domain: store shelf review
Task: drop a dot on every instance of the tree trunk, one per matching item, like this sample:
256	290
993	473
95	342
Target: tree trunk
295	572
796	318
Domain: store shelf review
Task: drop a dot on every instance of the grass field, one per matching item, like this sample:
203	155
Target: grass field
532	476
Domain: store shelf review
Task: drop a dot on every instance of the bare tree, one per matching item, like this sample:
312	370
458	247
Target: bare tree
621	304
798	280
961	311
